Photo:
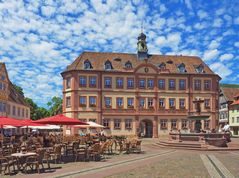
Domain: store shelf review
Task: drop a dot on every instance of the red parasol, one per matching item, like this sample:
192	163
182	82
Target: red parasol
29	122
60	120
10	121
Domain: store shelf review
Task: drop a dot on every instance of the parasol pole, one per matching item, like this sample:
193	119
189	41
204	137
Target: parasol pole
2	134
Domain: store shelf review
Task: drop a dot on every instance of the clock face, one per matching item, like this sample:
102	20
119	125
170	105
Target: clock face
146	70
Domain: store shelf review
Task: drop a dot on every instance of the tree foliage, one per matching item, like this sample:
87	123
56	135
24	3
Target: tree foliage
55	106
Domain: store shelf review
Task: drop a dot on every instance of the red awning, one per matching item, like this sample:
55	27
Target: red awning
235	102
10	121
60	120
29	122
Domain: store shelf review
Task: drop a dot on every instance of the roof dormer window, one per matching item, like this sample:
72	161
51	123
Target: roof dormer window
181	68
162	66
199	68
87	65
2	77
108	65
128	65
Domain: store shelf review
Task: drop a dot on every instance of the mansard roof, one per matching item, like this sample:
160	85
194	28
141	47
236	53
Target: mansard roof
98	59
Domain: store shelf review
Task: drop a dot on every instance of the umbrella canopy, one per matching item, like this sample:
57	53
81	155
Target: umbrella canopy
9	127
9	121
90	125
60	120
29	122
45	127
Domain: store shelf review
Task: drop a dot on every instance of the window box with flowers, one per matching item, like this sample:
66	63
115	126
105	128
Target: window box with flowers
161	107
108	106
82	105
151	107
182	107
92	105
130	107
172	107
119	107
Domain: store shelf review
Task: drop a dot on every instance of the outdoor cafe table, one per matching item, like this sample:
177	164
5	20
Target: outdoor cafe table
21	157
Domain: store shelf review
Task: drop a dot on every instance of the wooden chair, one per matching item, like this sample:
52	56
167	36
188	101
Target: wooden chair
95	151
80	153
31	161
36	161
103	149
5	164
136	146
56	154
110	146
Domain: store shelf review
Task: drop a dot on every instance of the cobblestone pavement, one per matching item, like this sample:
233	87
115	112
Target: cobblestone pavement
154	162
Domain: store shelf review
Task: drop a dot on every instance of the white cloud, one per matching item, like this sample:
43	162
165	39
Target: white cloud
188	4
226	57
39	39
236	21
162	8
217	22
48	10
236	44
172	40
210	54
202	14
214	44
221	69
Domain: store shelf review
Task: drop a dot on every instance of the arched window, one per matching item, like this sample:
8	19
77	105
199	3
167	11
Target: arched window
199	68
181	68
128	65
87	65
108	65
162	66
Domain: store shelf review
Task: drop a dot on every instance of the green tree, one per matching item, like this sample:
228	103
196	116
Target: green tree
33	108
55	106
42	113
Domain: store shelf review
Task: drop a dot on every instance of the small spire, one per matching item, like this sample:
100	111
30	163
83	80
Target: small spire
142	26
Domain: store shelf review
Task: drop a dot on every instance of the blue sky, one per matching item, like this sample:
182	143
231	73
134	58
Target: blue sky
38	39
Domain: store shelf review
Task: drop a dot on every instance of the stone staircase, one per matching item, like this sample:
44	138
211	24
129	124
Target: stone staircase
191	145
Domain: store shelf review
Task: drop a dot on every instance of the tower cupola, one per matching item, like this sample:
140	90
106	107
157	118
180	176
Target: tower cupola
142	49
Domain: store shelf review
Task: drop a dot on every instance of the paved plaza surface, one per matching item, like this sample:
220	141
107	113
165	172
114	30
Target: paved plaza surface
153	162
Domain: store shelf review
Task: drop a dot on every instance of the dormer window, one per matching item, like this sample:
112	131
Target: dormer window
181	68
162	66
2	77
199	68
87	65
128	65
108	65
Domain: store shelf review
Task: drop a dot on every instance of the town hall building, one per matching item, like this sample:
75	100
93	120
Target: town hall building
141	94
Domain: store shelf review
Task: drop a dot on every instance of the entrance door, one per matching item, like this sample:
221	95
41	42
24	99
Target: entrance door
198	126
146	128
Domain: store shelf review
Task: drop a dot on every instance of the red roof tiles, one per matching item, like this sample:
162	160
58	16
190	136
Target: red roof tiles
98	59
